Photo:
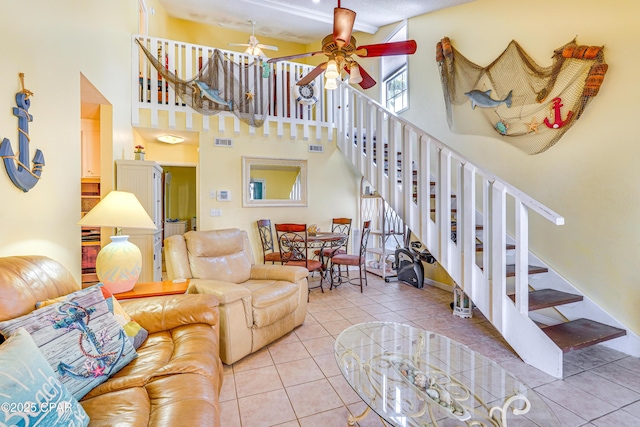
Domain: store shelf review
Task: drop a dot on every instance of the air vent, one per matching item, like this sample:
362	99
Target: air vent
223	142
315	148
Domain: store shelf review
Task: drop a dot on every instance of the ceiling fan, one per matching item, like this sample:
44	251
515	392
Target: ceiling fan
339	46
254	47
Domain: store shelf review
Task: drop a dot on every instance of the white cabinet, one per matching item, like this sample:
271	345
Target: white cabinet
151	247
144	179
174	227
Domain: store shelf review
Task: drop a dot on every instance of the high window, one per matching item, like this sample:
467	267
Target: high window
395	76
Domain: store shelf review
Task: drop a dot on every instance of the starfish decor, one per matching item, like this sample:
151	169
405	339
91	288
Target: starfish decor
532	126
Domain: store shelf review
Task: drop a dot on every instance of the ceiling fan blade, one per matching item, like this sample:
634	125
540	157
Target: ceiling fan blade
266	46
311	75
407	47
300	55
239	44
367	81
343	20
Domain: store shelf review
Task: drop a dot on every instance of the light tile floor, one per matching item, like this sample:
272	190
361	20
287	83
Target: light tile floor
295	381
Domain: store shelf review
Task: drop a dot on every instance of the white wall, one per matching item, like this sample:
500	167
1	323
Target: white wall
52	43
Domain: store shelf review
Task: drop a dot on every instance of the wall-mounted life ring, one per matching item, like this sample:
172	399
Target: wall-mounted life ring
306	94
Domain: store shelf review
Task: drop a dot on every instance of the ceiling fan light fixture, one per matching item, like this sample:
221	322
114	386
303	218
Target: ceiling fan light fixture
170	139
354	74
255	51
330	84
332	70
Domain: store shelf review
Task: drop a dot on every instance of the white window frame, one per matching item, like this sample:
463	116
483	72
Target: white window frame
404	68
402	71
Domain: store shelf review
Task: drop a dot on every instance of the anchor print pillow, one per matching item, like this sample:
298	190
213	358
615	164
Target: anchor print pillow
132	329
79	337
30	394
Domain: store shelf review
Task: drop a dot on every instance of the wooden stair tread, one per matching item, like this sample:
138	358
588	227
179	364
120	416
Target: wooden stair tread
545	298
533	269
581	333
480	246
454	226
453	196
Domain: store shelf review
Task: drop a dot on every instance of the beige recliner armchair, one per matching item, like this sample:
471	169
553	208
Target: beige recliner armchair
258	303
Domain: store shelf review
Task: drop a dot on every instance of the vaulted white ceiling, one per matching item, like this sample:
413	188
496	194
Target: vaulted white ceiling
301	21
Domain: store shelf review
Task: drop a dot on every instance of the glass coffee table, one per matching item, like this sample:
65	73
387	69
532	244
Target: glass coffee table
412	377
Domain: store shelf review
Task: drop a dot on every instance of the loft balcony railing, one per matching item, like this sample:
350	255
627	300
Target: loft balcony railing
152	92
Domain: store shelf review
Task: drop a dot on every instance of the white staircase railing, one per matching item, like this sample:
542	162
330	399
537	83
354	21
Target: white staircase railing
403	163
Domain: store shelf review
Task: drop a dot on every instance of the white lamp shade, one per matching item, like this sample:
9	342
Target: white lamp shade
354	74
118	209
332	70
119	265
330	84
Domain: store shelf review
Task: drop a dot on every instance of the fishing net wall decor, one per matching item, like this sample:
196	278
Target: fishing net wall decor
513	98
222	85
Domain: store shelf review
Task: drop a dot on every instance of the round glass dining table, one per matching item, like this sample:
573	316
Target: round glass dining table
412	377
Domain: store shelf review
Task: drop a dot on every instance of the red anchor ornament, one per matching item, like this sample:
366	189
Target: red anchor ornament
558	122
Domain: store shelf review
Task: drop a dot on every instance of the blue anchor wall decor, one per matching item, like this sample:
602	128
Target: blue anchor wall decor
18	168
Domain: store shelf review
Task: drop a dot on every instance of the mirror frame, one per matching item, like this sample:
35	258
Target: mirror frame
247	162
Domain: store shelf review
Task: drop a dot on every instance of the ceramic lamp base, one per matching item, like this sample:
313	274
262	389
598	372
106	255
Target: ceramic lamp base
119	264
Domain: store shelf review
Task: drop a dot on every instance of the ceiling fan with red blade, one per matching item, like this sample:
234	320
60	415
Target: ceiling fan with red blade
339	46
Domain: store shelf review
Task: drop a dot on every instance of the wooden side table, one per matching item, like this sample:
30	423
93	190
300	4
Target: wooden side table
154	289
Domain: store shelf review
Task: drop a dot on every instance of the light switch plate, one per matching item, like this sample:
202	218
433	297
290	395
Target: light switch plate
215	212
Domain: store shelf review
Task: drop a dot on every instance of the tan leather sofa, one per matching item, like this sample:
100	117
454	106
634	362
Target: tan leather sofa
258	303
176	378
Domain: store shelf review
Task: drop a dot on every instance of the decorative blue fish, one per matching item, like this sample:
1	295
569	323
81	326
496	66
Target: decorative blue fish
484	100
212	94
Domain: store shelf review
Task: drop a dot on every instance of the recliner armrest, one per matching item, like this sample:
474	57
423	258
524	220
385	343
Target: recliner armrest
278	272
226	292
163	313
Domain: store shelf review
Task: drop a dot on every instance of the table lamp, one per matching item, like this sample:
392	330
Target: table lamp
119	263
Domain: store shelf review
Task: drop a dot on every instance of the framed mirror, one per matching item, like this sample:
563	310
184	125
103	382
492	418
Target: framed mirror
273	182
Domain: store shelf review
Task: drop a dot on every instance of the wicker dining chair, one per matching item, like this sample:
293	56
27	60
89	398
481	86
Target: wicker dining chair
269	254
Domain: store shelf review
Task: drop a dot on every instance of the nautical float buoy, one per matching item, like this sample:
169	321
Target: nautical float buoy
306	94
